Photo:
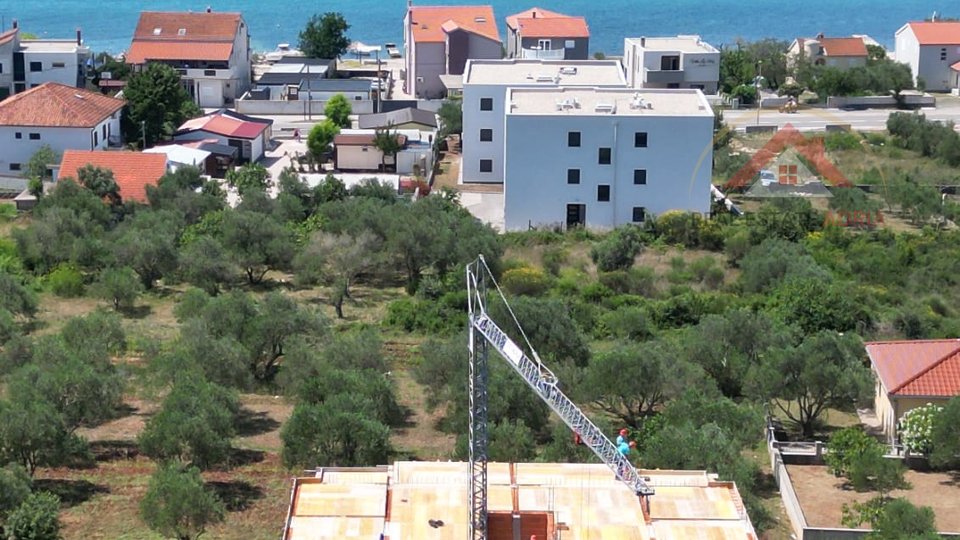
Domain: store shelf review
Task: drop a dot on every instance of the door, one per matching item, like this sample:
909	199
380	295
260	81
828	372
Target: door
576	215
545	44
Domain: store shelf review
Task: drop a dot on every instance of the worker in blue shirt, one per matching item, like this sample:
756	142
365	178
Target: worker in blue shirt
624	448
622	438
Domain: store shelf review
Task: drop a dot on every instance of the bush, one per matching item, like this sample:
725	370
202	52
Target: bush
66	281
618	249
628	322
36	518
553	258
916	428
841	140
641	281
441	316
845	446
528	281
676	227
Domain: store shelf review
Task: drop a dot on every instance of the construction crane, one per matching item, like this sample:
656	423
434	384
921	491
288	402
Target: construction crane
486	334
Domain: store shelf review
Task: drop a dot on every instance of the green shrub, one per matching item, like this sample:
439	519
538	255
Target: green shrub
553	258
640	280
528	281
618	249
845	446
916	428
596	292
66	281
629	322
701	266
841	140
679	228
874	138
714	277
8	212
436	317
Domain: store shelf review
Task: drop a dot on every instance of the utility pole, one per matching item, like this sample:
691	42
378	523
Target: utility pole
757	86
143	131
309	111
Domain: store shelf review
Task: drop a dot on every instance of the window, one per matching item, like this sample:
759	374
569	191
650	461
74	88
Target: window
209	73
603	156
18	135
639	214
1	68
34	136
486	104
640	177
14	166
943	55
569	44
104	132
698	86
573	176
788	175
58	65
544	44
640	139
486	165
573	138
486	135
603	193
36	66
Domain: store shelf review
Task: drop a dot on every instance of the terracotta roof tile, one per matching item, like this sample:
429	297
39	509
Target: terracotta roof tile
555	27
7	36
160	25
530	13
57	105
918	368
955	67
851	46
143	51
133	171
936	33
427	22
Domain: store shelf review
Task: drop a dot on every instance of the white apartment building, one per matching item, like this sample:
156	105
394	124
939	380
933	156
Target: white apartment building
28	63
485	86
603	157
932	50
671	62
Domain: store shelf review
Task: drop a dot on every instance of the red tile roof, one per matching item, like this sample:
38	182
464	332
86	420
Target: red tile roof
428	22
57	105
143	51
531	13
133	171
225	125
955	67
851	46
936	33
7	36
555	27
917	368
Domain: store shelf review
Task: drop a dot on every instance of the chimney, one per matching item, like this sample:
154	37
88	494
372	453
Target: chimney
643	42
79	38
534	14
209	9
820	35
15	24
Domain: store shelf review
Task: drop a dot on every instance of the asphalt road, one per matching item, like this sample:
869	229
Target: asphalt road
816	119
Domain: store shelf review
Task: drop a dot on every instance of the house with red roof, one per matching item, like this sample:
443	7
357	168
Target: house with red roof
133	171
911	374
211	51
548	35
932	50
838	52
438	40
59	116
250	136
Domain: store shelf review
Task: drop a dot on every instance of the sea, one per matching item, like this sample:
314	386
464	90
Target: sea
109	26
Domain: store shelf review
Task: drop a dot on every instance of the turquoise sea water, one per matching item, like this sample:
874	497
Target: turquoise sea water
109	25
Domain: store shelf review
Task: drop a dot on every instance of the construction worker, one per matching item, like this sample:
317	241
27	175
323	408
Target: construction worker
624	448
622	438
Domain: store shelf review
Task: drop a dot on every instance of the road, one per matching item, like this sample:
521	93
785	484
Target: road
816	119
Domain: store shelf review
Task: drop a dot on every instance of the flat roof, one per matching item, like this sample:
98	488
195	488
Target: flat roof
420	500
608	101
50	45
681	43
534	72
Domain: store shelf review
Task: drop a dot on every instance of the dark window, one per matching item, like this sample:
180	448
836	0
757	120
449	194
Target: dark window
603	156
603	193
58	65
573	176
486	104
36	66
104	132
640	139
486	165
1	68
210	73
943	54
639	214
34	136
640	177
486	135
573	138
96	141
14	166
18	135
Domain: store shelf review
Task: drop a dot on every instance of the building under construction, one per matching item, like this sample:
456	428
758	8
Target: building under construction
414	500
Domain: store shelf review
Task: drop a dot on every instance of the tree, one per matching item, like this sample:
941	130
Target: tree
205	263
511	442
901	520
321	137
157	103
388	143
256	243
15	486
177	505
825	371
945	437
618	249
101	182
337	260
147	243
876	52
120	286
766	265
16	298
31	433
325	36
813	304
339	432
221	360
194	424
338	111
549	327
37	518
248	178
845	446
451	117
40	162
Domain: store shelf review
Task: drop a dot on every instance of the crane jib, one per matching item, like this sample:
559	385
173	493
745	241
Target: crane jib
499	339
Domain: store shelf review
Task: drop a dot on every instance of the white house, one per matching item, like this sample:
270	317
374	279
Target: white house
932	50
211	51
355	90
601	158
250	136
838	52
485	84
28	63
671	62
355	151
57	115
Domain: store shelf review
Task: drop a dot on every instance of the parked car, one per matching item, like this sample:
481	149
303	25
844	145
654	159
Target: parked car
392	50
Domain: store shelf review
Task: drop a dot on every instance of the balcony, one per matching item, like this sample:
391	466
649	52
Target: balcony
664	76
204	73
542	54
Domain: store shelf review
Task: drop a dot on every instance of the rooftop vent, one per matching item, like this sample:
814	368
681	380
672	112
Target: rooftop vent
605	107
568	70
565	104
480	19
79	96
638	102
156	31
182	32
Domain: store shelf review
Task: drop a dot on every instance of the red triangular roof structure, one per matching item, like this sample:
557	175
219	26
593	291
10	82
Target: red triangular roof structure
789	137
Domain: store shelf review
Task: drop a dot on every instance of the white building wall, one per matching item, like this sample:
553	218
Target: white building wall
936	73
56	66
19	151
431	62
908	49
699	69
359	158
536	193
